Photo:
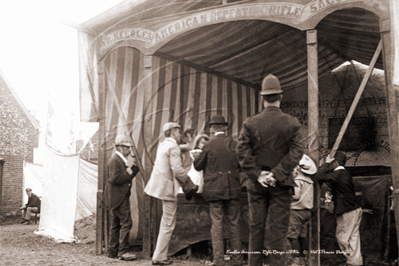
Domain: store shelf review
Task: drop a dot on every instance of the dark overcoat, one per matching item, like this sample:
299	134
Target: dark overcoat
119	182
221	169
270	141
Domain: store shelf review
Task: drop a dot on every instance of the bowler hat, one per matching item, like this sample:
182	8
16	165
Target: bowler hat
217	120
270	85
170	125
122	140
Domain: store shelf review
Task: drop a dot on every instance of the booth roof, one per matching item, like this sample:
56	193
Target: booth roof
250	49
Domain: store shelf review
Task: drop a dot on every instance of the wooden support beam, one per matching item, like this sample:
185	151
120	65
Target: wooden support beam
392	112
148	201
313	124
356	100
100	214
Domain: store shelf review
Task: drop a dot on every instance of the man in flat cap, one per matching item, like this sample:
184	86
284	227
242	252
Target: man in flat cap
346	206
269	148
222	188
168	174
117	193
33	205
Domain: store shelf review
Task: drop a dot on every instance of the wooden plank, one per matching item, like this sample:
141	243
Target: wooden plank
148	203
101	159
356	100
313	125
392	112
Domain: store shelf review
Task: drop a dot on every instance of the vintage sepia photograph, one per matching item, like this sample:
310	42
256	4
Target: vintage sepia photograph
199	132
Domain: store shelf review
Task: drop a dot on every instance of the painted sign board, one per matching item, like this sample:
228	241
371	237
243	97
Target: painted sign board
273	11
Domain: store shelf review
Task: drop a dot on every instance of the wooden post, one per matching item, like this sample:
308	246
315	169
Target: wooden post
392	112
356	100
101	210
313	125
2	161
148	201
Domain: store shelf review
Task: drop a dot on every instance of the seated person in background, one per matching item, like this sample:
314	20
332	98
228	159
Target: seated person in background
32	205
301	209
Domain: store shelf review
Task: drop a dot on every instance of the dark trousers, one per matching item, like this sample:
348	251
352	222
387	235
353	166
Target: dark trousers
121	223
269	216
231	210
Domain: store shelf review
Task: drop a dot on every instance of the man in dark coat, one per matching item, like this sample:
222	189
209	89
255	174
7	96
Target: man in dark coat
346	207
222	188
117	193
33	205
269	147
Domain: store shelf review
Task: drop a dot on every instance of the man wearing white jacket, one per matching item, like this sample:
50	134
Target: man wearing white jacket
166	177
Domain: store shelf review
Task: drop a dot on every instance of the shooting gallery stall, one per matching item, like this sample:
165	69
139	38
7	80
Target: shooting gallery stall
144	63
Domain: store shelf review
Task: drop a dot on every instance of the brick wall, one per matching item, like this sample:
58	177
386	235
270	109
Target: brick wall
12	187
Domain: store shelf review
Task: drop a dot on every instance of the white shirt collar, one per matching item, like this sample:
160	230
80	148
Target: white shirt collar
339	168
121	155
219	133
172	139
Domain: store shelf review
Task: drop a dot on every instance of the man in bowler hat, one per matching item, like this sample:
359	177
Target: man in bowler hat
222	188
269	147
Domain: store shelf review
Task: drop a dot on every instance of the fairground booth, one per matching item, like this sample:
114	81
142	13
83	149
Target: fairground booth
147	62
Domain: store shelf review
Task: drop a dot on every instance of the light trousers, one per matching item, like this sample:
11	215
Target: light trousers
26	213
168	223
348	236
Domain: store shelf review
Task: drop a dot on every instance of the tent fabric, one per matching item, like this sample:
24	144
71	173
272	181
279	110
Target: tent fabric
68	194
33	178
59	196
86	190
395	28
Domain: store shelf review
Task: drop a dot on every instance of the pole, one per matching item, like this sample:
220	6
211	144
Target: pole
2	161
392	112
356	100
313	126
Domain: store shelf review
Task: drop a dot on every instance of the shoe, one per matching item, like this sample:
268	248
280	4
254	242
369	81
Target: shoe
113	255
162	262
27	222
190	194
23	221
128	256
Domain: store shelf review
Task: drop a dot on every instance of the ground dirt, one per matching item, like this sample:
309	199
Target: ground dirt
20	246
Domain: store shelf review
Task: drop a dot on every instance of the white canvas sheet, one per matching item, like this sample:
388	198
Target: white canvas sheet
59	195
33	178
87	190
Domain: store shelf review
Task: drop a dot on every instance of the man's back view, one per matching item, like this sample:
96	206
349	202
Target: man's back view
269	147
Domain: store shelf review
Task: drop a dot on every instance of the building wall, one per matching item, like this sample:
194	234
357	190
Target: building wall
336	93
12	187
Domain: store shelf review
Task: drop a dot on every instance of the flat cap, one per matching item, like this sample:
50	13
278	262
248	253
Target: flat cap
122	140
170	125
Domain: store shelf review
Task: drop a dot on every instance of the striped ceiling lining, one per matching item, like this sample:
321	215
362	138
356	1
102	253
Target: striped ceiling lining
248	50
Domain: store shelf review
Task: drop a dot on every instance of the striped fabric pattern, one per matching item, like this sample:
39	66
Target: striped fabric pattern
180	93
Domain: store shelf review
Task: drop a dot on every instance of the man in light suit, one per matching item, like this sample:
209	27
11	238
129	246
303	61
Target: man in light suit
166	177
117	193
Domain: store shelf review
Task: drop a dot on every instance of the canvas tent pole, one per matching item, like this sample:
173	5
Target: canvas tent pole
392	113
101	210
149	203
356	100
313	123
